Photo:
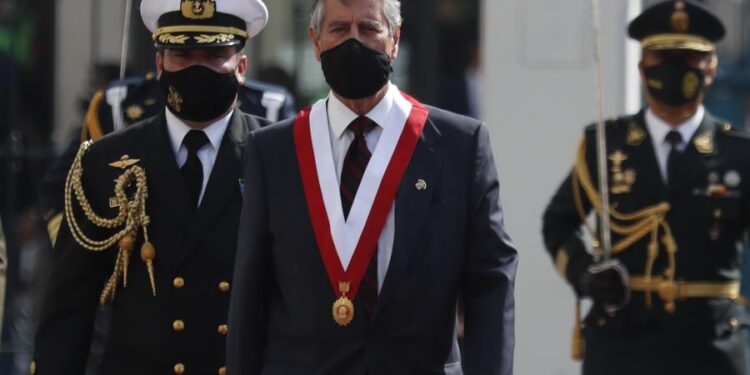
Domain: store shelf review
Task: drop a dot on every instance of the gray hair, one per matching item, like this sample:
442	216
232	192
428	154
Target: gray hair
391	11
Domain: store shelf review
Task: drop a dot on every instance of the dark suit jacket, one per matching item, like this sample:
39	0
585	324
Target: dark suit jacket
449	241
703	336
198	247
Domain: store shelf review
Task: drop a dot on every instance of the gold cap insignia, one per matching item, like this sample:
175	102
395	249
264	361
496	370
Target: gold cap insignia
174	99
636	135
134	112
198	9
704	143
124	162
690	85
680	20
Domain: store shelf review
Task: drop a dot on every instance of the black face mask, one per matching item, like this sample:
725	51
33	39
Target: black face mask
674	83
198	93
355	71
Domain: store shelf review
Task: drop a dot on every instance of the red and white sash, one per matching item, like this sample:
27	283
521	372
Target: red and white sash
346	246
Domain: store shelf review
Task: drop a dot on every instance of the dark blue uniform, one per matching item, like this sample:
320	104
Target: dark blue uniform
707	212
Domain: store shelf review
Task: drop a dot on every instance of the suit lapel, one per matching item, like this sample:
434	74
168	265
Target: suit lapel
412	207
165	182
693	160
223	183
650	181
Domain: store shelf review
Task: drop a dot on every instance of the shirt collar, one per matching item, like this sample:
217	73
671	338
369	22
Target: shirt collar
659	128
340	116
177	130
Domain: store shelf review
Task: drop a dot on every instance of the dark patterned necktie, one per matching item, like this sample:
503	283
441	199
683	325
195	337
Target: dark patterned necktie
355	163
192	170
674	138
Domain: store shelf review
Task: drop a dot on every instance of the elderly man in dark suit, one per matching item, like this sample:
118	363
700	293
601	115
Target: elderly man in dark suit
366	217
152	211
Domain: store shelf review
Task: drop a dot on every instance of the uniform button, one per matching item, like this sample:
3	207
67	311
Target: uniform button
717	214
223	329
222	371
178	325
224	286
178	282
32	368
179	369
601	321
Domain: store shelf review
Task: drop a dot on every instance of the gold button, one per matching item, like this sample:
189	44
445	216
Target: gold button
32	368
179	369
222	371
224	286
717	213
223	329
178	325
734	323
178	282
601	321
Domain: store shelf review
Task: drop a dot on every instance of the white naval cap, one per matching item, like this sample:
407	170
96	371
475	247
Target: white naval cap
203	23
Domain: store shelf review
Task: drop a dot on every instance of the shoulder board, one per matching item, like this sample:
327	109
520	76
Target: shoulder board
732	131
610	123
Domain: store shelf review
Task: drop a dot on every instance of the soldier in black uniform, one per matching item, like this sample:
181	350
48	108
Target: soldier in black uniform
131	100
151	212
679	185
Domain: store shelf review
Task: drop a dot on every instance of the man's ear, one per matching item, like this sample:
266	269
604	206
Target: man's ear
315	39
242	68
396	39
159	63
711	71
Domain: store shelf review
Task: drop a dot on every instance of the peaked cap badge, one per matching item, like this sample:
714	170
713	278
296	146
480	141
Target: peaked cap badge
198	9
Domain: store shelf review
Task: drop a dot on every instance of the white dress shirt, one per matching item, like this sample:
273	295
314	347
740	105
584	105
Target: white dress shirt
659	130
177	130
339	118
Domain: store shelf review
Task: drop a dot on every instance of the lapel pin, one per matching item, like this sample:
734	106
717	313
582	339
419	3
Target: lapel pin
124	162
421	185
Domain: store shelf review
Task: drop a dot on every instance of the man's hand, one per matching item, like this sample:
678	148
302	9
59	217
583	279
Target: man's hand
607	284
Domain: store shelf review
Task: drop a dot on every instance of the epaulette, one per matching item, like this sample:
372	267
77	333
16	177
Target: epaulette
732	131
612	122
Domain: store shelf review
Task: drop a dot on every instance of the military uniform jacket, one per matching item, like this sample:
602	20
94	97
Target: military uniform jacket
183	327
709	211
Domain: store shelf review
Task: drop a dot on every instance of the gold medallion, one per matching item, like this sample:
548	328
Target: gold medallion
343	308
343	311
198	9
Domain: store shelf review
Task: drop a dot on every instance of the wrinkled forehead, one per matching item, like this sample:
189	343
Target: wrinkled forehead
359	10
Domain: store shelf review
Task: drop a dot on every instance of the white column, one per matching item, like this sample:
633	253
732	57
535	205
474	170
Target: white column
538	96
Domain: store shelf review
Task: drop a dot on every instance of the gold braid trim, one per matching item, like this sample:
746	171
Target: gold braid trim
130	217
631	226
